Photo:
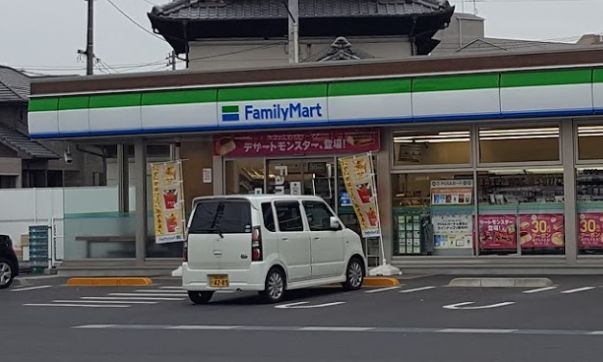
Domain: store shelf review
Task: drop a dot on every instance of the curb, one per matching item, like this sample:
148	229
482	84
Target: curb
109	282
380	282
501	282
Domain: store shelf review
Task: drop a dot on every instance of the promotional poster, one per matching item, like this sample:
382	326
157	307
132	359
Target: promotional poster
168	204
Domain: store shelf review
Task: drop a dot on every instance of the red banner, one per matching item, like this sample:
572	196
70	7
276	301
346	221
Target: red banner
497	232
297	143
590	229
542	231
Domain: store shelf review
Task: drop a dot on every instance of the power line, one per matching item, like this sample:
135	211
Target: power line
133	21
150	3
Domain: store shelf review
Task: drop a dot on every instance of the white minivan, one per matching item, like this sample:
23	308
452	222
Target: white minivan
270	244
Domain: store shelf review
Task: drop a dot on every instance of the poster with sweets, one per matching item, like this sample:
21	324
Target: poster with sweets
497	232
168	204
358	177
541	231
590	231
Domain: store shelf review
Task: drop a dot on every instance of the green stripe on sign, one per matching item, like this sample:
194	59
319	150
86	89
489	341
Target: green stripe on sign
115	100
43	104
357	88
230	109
598	75
67	103
455	82
179	97
272	92
547	77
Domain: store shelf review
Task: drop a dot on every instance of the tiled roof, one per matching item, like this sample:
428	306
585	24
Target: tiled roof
265	9
14	85
23	145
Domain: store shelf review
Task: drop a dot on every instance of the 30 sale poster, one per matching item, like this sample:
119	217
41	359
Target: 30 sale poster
541	231
590	228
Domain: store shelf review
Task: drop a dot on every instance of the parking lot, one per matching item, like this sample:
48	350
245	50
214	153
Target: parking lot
386	321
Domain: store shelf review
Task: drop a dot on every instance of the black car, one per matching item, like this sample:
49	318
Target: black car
9	266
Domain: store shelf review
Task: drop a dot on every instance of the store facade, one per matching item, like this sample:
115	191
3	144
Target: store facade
487	164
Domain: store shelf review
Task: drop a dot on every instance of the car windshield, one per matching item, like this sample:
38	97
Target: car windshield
221	217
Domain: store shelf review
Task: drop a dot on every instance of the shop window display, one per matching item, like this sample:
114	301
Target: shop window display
432	148
244	176
521	212
589	198
433	214
499	145
590	138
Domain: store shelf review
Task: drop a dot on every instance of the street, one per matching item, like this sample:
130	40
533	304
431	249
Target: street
422	320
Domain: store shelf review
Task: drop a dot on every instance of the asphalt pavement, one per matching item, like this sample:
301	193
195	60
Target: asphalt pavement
422	320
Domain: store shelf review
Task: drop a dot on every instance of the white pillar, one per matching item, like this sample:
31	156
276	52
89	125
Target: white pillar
140	174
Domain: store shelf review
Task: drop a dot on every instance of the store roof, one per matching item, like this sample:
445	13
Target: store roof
182	21
24	146
14	85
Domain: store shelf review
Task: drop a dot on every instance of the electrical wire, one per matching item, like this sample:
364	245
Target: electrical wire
134	21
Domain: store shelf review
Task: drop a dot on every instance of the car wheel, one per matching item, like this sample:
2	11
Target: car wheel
200	297
6	273
354	275
274	286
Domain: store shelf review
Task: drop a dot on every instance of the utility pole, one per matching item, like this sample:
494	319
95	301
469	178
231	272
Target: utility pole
173	61
293	10
90	39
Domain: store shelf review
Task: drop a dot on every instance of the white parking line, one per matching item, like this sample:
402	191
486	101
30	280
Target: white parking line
336	329
160	291
416	289
538	290
145	295
31	288
78	305
577	290
134	298
104	301
476	330
170	287
382	289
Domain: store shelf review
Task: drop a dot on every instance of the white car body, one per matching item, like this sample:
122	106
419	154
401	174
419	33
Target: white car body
307	257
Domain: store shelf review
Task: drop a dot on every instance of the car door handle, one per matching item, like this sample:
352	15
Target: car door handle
316	238
284	239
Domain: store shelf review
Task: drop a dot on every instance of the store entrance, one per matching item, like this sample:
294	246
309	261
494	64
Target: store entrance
303	177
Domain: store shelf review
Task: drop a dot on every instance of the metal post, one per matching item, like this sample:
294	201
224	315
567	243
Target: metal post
569	191
90	39
293	10
140	156
123	178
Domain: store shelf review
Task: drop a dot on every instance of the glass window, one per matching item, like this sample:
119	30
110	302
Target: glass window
589	198
244	176
518	144
318	215
221	217
433	213
289	216
521	211
268	216
432	148
590	139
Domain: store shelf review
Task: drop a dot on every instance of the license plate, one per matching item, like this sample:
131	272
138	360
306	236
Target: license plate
218	281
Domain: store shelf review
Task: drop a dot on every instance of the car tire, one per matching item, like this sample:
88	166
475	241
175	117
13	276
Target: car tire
274	287
200	297
7	273
354	275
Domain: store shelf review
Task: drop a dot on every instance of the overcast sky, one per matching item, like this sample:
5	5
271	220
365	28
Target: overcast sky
43	36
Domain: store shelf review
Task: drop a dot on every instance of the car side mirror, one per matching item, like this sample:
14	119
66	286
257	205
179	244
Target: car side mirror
334	223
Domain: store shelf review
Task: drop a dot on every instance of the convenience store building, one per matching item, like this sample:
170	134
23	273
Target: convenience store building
483	164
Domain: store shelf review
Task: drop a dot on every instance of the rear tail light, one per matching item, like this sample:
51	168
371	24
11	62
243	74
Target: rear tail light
185	250
256	244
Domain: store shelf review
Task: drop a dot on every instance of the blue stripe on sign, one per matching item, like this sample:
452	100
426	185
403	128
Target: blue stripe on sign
230	117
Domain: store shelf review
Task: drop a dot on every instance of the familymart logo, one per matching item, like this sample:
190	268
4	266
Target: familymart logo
276	112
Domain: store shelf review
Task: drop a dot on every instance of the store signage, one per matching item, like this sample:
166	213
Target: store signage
454	231
359	180
168	201
298	143
451	192
590	231
541	231
497	232
270	111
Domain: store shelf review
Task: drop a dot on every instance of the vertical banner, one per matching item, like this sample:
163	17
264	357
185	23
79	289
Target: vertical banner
357	172
545	231
168	201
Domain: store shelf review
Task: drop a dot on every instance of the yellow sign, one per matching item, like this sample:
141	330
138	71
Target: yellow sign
168	201
359	180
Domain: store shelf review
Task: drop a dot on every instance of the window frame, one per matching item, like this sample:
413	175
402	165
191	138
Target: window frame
330	212
301	215
274	221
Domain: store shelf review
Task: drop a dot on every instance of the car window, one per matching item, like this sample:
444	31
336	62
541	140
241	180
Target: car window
221	217
268	216
318	215
289	216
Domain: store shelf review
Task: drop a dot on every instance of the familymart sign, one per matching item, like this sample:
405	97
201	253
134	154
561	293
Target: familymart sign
274	112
